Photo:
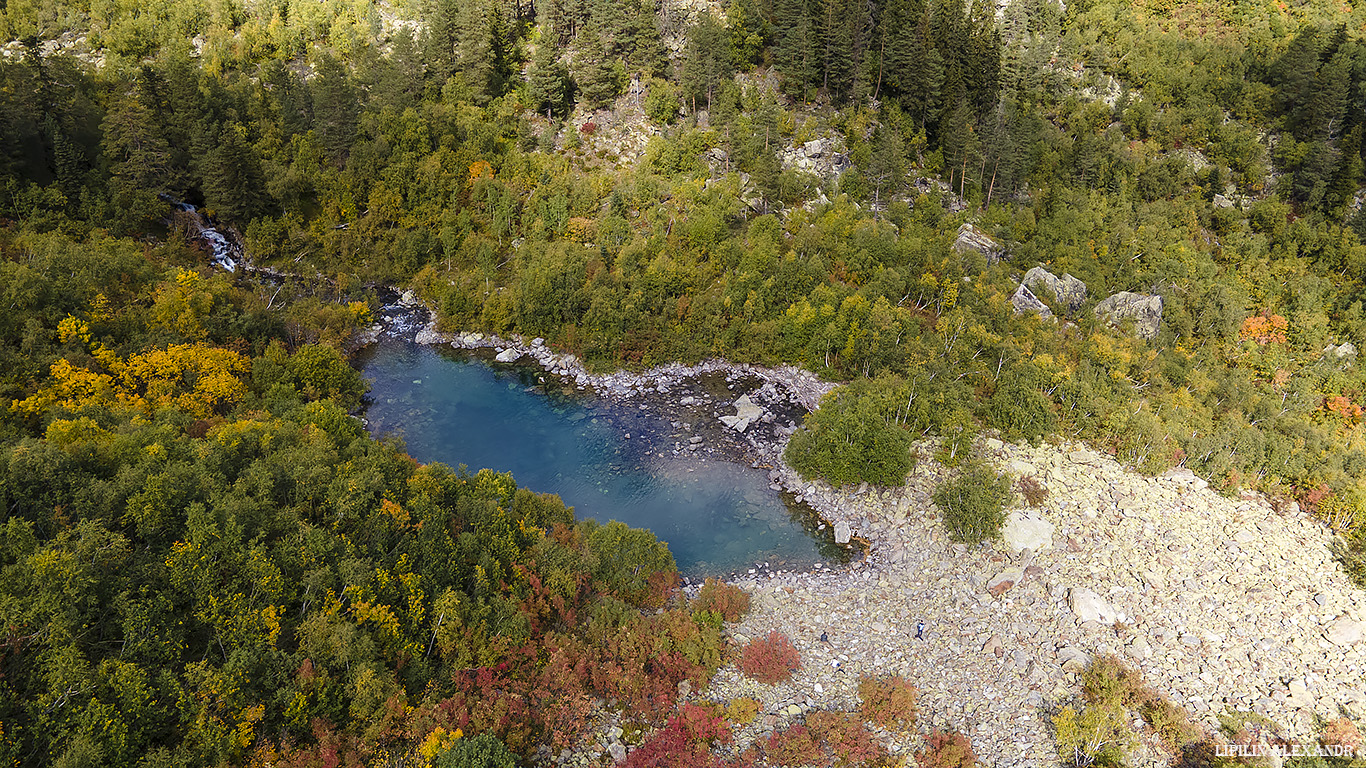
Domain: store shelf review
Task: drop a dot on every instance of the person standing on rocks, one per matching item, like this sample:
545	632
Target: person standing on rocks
920	630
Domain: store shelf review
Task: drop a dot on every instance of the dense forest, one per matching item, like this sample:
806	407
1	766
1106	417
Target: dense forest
204	560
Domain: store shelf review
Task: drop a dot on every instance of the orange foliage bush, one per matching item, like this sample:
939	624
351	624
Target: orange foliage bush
1343	407
792	747
946	749
770	659
887	700
845	738
1341	733
1264	329
728	600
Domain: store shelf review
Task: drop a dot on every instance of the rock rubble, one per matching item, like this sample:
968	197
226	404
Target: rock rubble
1225	605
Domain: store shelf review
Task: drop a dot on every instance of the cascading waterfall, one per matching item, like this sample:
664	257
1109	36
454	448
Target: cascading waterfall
224	252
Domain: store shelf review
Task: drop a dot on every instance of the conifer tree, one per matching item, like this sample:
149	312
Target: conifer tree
335	107
599	77
547	79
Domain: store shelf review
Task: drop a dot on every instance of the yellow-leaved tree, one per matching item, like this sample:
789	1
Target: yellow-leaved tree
196	378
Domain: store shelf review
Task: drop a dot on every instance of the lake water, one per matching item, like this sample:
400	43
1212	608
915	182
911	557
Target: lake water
717	516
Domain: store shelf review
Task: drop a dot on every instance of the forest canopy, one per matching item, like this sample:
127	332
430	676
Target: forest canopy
207	561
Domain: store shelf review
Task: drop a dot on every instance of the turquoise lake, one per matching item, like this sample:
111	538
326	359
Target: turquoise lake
718	517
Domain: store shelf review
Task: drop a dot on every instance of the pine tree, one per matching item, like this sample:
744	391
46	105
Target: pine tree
335	107
599	77
793	45
706	62
231	177
547	79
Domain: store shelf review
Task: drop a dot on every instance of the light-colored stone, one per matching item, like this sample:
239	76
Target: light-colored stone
1026	530
1087	605
1345	631
1024	301
1067	290
1144	310
618	751
971	238
1003	581
508	356
842	532
1073	659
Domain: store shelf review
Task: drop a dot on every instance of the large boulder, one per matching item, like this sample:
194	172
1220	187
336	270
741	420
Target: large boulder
971	238
1087	605
1145	310
1345	631
1069	291
1023	530
746	413
1024	301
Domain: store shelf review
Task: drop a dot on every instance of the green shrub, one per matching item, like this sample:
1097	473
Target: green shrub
1096	735
854	437
1019	409
973	504
482	751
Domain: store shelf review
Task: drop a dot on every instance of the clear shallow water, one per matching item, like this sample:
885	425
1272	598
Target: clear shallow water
456	408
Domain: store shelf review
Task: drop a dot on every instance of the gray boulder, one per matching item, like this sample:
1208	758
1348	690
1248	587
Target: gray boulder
1069	291
971	238
1024	301
1144	310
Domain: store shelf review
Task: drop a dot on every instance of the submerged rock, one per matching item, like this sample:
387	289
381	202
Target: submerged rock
746	413
1145	310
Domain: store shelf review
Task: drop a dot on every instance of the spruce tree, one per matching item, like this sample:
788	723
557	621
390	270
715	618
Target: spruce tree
547	78
335	107
599	77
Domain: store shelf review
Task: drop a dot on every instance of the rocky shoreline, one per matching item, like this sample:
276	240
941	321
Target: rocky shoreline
1227	606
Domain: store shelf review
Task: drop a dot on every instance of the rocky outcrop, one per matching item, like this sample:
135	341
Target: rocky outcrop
970	238
1024	301
823	157
746	413
1067	290
1142	309
1340	351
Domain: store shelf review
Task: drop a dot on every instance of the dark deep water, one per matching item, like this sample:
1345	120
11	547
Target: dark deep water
458	408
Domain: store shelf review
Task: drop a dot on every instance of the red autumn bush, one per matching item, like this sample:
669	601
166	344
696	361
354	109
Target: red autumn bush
887	700
685	742
770	659
846	739
793	747
728	600
1341	733
946	749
